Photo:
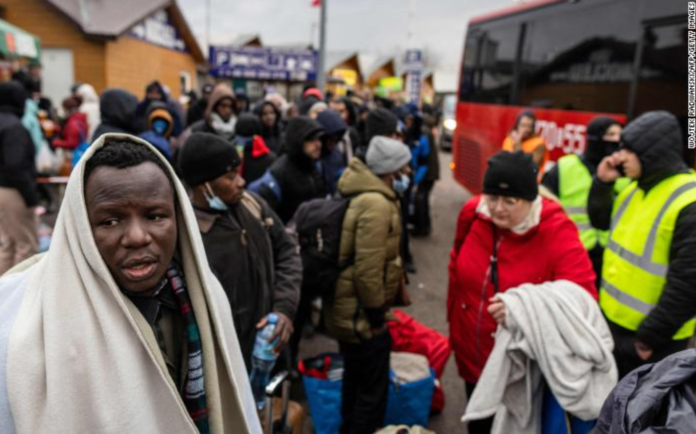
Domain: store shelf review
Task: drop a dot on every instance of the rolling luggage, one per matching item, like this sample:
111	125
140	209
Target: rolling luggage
281	416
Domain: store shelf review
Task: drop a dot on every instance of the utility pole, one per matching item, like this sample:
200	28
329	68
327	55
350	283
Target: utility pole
207	27
411	24
321	74
313	34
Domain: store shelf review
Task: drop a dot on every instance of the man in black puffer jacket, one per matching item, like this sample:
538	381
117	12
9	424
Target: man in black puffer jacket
295	172
648	290
18	195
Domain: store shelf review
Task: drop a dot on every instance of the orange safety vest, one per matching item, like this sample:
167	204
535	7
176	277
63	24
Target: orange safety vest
528	147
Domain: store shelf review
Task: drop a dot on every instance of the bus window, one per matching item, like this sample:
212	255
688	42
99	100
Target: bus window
663	73
662	79
470	60
580	62
487	70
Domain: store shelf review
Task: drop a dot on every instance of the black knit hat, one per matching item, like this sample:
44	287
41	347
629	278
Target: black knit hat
381	122
512	174
206	157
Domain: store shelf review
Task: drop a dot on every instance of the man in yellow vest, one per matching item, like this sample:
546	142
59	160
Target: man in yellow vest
648	290
571	179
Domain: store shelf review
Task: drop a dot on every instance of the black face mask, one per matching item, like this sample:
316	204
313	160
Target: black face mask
610	147
598	149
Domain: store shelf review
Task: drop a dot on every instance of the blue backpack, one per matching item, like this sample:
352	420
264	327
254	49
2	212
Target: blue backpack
267	182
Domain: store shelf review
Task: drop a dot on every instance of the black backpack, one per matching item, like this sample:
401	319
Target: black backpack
319	224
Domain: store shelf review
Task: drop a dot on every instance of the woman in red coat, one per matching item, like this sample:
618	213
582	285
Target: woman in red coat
506	237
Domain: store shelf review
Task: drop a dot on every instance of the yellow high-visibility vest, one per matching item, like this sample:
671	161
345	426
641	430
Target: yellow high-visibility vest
574	183
636	258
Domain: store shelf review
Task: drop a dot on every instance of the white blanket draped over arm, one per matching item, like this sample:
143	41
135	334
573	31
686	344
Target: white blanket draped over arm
554	332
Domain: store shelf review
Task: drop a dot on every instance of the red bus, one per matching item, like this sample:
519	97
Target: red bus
568	61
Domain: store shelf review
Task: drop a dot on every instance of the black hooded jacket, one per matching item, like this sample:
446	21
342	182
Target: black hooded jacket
656	138
296	173
247	131
17	167
141	120
117	112
333	157
353	133
273	136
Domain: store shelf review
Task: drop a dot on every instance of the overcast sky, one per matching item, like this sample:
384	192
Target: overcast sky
378	27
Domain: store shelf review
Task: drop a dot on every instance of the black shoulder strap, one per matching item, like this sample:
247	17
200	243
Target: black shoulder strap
494	260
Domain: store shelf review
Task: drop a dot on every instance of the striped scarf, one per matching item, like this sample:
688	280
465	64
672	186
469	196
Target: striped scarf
194	395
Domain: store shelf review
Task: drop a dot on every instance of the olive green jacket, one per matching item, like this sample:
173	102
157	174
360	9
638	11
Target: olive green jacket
371	236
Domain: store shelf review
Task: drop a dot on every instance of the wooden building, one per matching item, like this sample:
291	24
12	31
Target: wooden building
381	68
343	72
115	43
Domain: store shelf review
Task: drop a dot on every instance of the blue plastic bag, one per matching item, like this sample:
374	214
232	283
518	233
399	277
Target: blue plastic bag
409	404
78	153
324	398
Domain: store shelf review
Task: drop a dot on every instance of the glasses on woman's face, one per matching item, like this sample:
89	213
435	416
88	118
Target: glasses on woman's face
505	201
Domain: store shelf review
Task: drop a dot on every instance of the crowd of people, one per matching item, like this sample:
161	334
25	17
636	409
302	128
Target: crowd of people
141	229
179	235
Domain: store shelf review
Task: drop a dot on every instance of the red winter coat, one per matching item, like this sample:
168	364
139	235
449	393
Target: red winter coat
547	252
74	133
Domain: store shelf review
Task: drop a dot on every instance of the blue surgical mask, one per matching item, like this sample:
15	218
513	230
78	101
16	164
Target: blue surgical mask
401	184
214	202
160	126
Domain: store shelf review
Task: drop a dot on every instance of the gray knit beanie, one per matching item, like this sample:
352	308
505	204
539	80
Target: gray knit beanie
385	155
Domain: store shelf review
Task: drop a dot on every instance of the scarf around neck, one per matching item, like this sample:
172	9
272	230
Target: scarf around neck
225	129
532	220
194	390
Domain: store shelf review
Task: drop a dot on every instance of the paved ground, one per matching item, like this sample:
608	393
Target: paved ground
428	292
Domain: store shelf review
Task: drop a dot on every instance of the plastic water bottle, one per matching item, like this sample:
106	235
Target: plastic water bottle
262	361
